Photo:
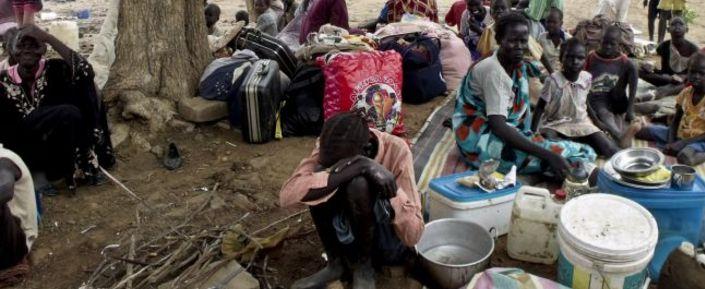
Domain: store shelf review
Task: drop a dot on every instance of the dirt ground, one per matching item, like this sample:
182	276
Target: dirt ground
74	230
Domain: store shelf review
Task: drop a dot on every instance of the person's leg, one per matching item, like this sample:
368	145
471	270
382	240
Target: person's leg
655	133
19	15
601	143
692	155
13	242
652	15
622	10
28	18
54	134
664	18
322	216
359	206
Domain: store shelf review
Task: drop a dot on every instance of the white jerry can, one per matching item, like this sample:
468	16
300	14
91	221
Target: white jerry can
533	227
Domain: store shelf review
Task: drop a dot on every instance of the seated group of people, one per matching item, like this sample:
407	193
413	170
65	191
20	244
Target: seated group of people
53	127
359	183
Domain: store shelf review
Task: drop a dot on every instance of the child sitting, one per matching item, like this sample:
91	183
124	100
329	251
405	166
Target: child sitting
553	38
562	108
685	138
267	19
243	16
472	24
608	104
675	54
488	43
212	18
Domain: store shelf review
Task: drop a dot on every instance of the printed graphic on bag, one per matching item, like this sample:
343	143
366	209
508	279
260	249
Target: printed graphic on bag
378	103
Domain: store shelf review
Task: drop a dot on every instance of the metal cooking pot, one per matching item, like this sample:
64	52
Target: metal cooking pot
453	251
637	162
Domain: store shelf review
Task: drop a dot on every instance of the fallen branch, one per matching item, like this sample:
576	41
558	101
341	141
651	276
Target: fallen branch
125	188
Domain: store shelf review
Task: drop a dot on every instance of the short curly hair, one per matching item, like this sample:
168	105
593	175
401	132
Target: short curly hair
507	21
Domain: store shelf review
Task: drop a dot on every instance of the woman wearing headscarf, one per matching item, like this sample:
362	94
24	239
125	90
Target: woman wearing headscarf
50	113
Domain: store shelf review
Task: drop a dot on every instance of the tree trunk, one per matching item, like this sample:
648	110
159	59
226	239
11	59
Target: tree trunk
161	50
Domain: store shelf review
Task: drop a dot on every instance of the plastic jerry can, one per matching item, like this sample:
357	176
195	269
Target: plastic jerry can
533	226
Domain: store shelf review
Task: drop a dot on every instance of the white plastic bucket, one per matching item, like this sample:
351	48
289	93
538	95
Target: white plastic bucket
606	241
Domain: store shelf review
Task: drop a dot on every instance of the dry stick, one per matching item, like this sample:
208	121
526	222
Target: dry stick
125	188
131	255
279	222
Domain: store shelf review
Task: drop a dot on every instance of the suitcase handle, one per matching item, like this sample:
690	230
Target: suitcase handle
263	68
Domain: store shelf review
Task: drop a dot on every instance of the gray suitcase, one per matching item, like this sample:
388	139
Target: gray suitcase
258	102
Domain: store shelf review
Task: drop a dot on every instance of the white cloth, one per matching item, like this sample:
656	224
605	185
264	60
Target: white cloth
24	203
551	51
615	10
492	83
103	54
566	105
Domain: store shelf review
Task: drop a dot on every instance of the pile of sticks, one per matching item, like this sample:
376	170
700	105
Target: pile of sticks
177	258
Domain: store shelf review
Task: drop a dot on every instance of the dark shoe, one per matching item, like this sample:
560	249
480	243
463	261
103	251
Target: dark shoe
319	280
47	190
364	276
172	159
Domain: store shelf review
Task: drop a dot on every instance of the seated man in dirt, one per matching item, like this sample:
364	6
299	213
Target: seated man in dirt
360	188
50	113
18	218
675	54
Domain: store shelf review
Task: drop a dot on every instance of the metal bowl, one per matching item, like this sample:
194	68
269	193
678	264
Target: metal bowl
637	162
453	251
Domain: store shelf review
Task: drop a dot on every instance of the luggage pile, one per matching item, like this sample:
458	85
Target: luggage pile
271	92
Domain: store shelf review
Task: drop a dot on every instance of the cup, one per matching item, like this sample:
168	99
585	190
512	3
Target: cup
683	177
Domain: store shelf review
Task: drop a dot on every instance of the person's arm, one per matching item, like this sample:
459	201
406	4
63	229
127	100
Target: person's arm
9	174
64	51
633	76
511	137
474	26
546	64
540	106
673	129
408	219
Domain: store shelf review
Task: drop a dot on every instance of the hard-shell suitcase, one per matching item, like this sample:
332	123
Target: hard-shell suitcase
256	106
267	47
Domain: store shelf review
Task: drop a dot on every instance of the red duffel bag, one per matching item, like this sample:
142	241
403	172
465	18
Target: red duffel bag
369	82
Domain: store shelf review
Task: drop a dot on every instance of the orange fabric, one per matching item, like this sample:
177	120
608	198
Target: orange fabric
693	122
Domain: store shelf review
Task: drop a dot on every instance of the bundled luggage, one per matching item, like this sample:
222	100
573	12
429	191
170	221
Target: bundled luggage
302	114
221	76
590	32
423	72
267	47
255	107
369	82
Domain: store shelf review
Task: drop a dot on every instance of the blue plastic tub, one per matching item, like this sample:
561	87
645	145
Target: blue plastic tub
679	215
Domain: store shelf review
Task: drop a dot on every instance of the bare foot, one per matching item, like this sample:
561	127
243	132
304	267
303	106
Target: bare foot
632	130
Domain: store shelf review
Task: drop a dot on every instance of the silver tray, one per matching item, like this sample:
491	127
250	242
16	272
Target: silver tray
615	176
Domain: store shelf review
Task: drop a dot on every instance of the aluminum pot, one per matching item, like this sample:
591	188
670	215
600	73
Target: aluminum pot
453	251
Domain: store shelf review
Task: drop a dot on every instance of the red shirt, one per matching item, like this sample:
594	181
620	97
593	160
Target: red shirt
456	13
322	12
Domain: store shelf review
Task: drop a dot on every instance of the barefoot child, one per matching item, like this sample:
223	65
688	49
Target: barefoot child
562	108
553	38
685	138
472	24
675	54
25	10
609	105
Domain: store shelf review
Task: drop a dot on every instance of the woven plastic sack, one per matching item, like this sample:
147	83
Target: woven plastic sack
368	82
510	278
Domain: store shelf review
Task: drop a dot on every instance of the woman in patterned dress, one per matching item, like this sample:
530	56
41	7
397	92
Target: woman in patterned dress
492	118
50	112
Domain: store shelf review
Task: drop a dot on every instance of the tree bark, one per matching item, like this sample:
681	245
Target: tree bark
161	50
